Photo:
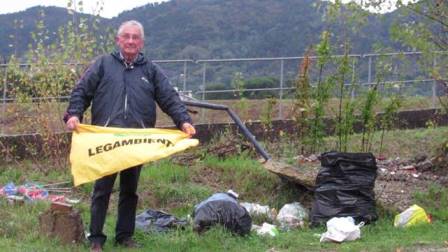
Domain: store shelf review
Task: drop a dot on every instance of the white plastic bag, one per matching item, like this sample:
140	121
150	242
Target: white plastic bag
255	209
266	230
341	229
292	216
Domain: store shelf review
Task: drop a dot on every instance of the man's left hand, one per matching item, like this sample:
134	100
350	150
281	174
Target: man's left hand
188	129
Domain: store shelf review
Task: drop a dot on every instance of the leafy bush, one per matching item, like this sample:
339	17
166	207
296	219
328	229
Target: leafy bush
220	95
260	83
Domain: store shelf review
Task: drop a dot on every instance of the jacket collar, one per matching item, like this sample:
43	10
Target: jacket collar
139	60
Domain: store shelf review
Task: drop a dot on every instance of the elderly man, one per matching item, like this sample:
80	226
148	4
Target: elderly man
123	88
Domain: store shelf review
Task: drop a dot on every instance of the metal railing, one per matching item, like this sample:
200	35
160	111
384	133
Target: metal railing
196	76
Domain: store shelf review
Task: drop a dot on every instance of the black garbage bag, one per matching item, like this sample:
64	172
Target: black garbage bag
223	209
344	187
158	221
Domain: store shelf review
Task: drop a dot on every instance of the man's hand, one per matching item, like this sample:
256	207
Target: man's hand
72	123
188	129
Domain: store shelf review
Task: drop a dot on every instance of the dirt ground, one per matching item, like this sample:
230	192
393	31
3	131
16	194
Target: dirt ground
399	180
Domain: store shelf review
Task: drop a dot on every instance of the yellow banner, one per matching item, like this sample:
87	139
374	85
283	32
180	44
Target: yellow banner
100	151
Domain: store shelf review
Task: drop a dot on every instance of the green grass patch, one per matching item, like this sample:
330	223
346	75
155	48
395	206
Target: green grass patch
165	172
169	186
396	143
27	171
19	228
245	176
434	201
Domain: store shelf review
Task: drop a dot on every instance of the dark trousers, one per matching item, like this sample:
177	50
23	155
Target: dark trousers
127	205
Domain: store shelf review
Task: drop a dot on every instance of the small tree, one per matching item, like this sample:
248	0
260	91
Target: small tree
302	101
238	85
422	26
51	72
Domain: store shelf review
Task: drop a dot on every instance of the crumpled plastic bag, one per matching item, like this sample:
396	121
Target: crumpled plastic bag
158	221
9	189
292	216
255	209
412	216
341	229
266	230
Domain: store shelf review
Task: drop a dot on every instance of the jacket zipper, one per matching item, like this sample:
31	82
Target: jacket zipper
107	122
125	91
143	125
125	105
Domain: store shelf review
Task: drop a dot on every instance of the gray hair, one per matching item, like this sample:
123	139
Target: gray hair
131	22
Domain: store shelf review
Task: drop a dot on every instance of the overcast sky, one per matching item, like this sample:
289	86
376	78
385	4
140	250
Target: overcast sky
111	7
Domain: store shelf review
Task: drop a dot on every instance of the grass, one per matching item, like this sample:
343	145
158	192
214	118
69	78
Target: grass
177	189
19	232
435	201
397	143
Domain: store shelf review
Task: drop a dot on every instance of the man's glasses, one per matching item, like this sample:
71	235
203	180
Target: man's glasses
129	36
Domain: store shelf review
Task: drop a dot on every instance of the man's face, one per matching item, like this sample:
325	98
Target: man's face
130	41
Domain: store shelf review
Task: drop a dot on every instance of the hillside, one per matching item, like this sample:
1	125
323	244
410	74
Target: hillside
207	28
16	28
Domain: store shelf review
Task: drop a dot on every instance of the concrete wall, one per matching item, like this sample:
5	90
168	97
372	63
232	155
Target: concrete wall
26	146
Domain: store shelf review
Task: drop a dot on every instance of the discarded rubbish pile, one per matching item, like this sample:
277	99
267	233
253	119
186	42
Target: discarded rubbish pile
54	192
290	217
224	209
344	193
397	179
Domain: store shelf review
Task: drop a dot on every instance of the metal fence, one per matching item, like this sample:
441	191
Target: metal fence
396	72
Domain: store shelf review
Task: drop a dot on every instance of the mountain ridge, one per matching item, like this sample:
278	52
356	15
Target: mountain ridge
197	29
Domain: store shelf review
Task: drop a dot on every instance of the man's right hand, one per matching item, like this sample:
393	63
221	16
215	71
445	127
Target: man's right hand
72	123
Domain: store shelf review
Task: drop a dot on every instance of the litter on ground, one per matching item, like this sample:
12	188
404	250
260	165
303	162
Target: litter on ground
32	191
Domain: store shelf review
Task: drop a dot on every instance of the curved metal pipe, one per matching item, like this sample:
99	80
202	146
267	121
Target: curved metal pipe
236	119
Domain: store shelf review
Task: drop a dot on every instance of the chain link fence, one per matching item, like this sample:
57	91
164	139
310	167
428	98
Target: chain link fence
216	80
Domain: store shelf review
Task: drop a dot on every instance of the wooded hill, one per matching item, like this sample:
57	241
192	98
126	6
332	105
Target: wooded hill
200	29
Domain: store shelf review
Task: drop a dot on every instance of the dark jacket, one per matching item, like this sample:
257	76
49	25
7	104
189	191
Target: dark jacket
125	95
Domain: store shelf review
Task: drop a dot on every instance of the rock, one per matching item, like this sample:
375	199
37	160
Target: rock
61	221
420	158
424	166
305	176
